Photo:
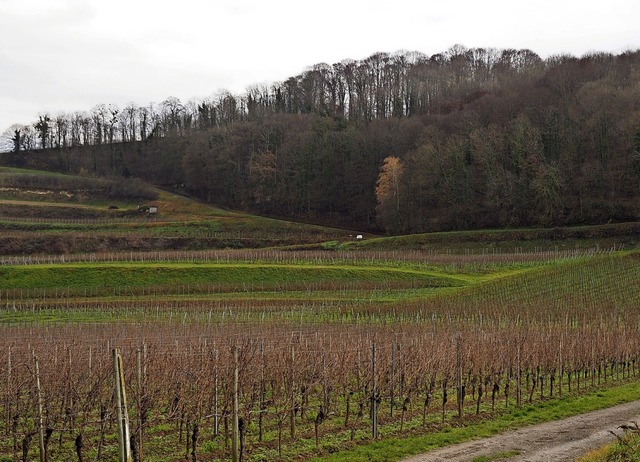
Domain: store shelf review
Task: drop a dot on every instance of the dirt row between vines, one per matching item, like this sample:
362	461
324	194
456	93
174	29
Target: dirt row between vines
561	440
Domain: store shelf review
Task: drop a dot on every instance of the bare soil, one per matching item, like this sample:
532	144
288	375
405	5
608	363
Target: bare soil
561	440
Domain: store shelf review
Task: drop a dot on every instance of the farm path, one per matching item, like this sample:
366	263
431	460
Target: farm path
557	441
48	204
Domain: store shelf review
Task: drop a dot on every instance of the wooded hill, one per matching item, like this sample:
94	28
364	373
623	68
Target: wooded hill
469	138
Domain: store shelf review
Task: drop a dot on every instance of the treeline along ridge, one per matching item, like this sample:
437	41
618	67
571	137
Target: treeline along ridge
469	138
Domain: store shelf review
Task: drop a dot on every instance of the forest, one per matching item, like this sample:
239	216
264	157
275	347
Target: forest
397	142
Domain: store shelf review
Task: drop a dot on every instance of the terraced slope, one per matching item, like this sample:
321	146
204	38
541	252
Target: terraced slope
45	213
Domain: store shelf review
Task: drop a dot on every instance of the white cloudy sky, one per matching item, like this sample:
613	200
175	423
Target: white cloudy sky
68	55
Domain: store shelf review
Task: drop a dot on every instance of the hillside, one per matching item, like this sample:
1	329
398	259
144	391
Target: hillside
52	213
49	213
477	138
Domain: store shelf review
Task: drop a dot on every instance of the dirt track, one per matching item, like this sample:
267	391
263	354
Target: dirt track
562	440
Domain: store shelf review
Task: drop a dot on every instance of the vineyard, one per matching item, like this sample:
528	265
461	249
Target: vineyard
199	334
266	355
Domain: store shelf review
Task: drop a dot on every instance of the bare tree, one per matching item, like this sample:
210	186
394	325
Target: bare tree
11	138
129	122
172	111
43	126
61	130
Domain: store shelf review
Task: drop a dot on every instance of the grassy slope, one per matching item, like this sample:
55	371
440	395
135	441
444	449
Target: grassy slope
619	236
35	220
145	274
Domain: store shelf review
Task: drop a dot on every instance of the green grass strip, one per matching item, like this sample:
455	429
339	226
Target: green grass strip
137	274
394	449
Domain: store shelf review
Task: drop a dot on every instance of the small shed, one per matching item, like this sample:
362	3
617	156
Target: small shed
148	208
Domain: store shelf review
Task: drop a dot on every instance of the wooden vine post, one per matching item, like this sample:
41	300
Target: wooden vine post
374	394
393	378
262	393
292	397
518	378
40	418
460	390
140	398
8	403
561	367
216	415
235	436
124	443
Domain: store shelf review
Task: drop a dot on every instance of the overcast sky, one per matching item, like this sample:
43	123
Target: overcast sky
69	55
